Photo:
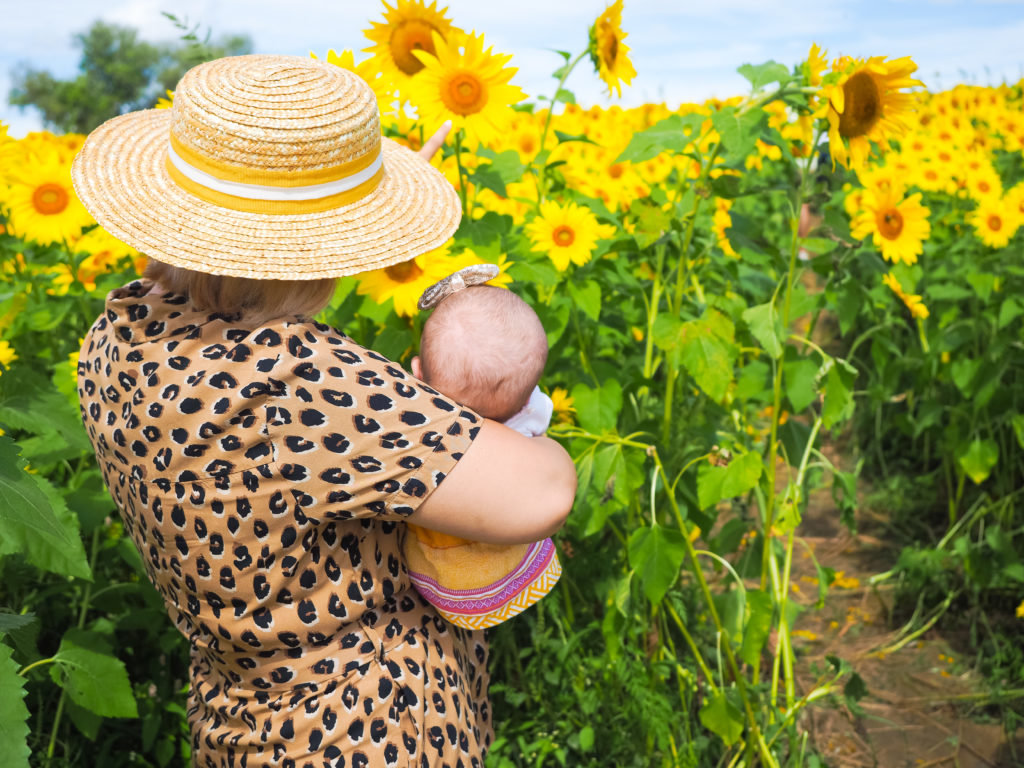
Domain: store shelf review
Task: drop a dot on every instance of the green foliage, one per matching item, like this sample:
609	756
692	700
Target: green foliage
118	73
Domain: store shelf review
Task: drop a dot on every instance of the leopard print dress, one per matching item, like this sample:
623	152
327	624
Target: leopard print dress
264	474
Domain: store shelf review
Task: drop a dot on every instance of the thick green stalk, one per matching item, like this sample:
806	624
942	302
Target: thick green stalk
462	173
542	177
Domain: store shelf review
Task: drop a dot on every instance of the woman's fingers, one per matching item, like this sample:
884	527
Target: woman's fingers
434	143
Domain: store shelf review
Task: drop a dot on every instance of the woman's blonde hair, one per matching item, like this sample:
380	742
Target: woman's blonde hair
256	300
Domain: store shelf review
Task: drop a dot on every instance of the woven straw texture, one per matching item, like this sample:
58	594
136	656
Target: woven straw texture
277	120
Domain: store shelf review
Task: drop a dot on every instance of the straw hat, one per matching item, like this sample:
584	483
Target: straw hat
267	167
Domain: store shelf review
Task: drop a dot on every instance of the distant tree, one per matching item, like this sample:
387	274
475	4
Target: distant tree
118	73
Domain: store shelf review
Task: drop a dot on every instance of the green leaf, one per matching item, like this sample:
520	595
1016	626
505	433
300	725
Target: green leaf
720	716
758	624
707	351
587	297
45	410
978	459
586	738
787	509
615	477
504	168
656	555
766	326
21	631
673	134
34	521
1017	420
800	377
565	96
92	676
838	390
964	370
622	593
582	137
761	75
85	721
10	622
717	483
1009	311
651	222
753	383
739	131
13	713
597	410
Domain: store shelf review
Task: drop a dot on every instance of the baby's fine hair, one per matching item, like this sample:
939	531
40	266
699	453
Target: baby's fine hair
485	347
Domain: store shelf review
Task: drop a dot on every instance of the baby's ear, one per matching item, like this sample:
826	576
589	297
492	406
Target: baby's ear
417	371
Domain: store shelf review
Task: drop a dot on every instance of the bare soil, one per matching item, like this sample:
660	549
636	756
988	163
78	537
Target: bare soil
918	711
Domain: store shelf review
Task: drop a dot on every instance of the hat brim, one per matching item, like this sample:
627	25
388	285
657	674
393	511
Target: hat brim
121	177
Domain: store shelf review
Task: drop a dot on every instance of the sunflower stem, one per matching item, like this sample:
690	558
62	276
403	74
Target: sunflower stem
542	176
462	172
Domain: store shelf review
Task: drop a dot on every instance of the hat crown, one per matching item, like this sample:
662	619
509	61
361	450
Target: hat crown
275	115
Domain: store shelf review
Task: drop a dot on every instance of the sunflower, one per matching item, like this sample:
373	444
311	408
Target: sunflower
408	27
7	355
564	411
866	105
165	102
43	205
899	226
466	84
566	233
608	51
912	301
405	282
995	222
815	66
720	222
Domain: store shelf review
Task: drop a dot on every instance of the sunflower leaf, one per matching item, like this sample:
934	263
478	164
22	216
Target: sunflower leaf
34	519
673	134
761	75
13	712
739	131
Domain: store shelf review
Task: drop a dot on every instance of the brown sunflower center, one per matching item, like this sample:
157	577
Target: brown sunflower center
528	144
615	171
464	93
994	222
610	48
862	105
404	272
412	35
50	199
890	223
984	186
563	236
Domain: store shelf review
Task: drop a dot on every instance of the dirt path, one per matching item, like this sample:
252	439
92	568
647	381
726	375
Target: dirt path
909	716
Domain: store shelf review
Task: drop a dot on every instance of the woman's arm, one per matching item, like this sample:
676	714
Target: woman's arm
506	489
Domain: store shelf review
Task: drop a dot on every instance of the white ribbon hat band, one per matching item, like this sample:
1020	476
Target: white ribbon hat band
266	192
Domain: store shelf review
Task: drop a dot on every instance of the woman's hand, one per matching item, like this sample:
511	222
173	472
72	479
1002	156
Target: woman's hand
506	489
429	149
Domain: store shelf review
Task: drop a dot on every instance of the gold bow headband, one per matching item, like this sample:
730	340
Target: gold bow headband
475	274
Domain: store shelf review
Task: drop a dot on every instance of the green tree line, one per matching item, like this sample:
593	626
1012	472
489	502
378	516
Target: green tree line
118	73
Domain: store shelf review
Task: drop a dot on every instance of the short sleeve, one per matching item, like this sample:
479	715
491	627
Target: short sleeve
357	434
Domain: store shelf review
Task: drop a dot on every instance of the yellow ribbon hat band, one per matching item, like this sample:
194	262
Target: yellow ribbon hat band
359	179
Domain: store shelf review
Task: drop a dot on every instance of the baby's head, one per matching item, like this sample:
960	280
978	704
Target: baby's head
486	348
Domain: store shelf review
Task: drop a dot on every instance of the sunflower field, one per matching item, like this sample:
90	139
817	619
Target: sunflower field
728	288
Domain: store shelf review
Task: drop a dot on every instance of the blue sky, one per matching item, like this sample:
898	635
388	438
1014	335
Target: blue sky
682	51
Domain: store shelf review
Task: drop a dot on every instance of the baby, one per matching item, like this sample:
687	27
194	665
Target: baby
485	348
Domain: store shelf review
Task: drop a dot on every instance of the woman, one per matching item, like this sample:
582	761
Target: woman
264	464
